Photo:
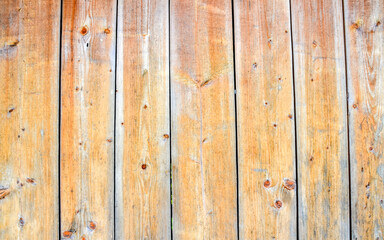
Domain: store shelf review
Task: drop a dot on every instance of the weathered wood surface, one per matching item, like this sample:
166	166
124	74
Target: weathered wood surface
143	205
176	168
203	120
266	128
365	68
321	113
87	119
29	83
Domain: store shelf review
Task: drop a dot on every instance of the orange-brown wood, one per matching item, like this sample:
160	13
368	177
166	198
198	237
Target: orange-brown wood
87	119
321	114
143	207
203	120
365	47
266	127
29	98
175	123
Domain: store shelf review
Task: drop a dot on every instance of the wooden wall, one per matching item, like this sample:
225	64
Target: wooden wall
178	119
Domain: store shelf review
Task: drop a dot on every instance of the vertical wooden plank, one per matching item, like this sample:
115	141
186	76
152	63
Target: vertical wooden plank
87	119
365	64
266	128
321	110
143	207
203	120
29	83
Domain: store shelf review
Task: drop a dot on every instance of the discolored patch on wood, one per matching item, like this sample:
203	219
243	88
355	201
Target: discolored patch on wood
21	222
4	192
289	184
67	234
92	225
13	43
11	109
30	181
357	25
267	183
205	83
278	204
84	30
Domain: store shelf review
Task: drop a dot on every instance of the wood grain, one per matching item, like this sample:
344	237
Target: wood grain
365	63
266	128
203	121
143	205
87	119
29	83
322	143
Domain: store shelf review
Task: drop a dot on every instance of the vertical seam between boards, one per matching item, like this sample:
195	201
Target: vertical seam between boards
295	121
114	123
170	115
347	106
59	116
236	137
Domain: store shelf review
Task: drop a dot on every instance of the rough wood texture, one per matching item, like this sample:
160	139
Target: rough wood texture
365	63
203	121
176	114
87	118
266	128
143	207
29	83
320	84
